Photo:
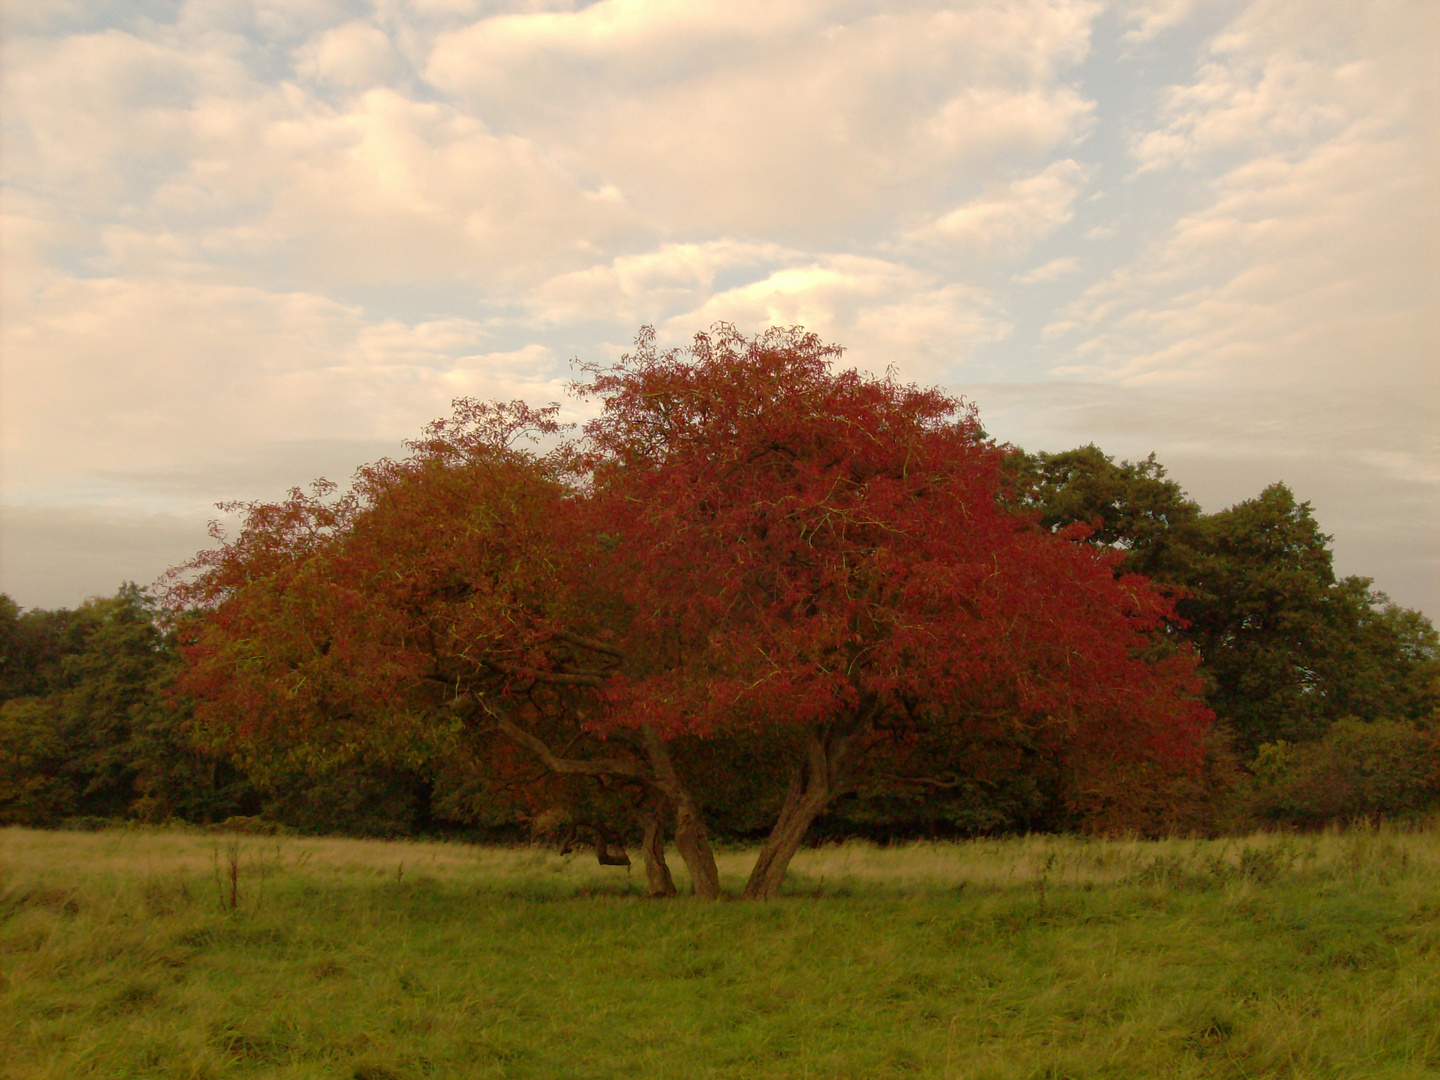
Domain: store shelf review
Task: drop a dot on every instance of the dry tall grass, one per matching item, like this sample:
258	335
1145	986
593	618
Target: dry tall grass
117	856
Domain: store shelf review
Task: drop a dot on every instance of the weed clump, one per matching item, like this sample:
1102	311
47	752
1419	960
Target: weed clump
1201	871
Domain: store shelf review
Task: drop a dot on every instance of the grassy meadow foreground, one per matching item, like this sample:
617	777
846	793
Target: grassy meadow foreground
121	955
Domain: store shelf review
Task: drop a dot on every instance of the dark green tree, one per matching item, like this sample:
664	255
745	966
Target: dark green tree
90	727
1388	666
1287	648
32	645
1131	506
64	745
1270	619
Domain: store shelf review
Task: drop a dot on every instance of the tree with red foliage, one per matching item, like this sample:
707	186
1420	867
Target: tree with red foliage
747	545
823	555
435	609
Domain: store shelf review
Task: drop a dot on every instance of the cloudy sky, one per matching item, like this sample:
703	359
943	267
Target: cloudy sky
251	242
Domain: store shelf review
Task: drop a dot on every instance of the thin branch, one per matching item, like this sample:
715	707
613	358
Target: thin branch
591	644
568	766
560	677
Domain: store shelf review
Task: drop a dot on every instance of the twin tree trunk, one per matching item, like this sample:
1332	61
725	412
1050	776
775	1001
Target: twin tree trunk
814	783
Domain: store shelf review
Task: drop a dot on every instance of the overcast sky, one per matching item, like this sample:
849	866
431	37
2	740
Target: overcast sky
246	244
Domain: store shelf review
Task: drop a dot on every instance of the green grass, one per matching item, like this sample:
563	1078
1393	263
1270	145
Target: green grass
1043	957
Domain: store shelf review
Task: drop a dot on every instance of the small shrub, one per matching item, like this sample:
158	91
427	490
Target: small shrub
1385	769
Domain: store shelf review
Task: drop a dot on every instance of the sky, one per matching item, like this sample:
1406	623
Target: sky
248	243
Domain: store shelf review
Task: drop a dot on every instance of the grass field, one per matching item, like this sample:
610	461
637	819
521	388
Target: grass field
1315	956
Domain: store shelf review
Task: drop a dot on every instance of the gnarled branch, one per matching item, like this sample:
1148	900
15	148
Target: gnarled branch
570	766
563	678
590	643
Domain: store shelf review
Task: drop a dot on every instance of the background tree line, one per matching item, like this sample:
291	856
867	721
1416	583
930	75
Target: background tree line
1325	695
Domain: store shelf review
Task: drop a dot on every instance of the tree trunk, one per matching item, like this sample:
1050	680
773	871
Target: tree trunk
816	781
653	848
691	839
693	843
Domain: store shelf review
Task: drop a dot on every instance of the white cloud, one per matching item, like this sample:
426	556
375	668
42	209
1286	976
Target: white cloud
1050	271
1007	221
883	312
784	119
129	376
646	287
1302	261
243	173
396	188
355	55
1286	74
558	138
1148	19
625	40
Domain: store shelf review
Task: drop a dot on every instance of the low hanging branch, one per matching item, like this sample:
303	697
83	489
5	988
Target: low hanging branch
557	678
590	643
567	766
660	777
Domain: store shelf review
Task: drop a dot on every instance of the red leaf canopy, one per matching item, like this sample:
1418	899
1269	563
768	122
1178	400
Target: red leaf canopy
747	541
800	545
